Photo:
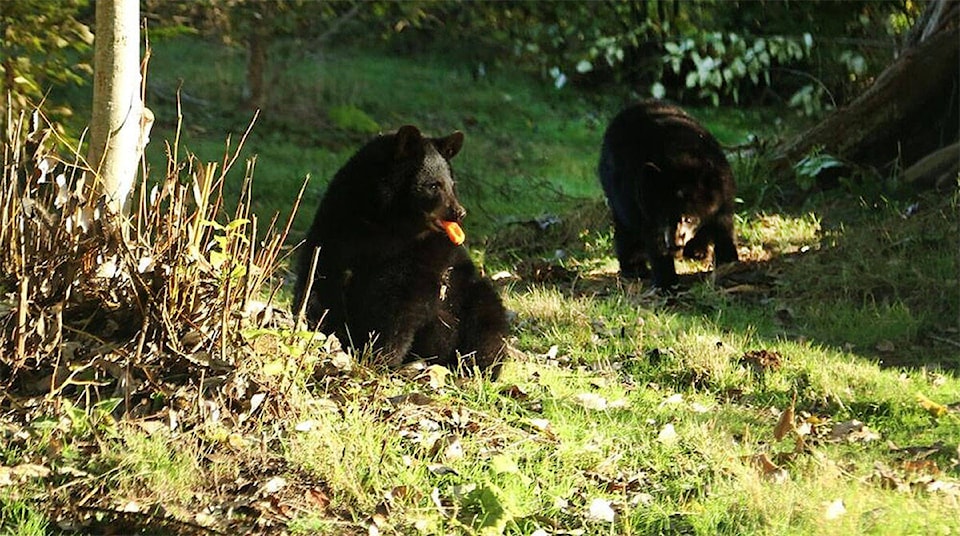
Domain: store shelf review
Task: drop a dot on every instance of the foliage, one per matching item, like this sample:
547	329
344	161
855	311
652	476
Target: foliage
810	166
42	44
698	52
718	65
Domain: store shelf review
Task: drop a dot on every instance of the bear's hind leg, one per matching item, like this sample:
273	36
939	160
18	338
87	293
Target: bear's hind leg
483	329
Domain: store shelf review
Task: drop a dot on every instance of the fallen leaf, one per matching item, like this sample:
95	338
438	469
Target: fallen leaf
503	464
619	403
672	399
436	376
305	426
885	346
274	368
342	361
273	485
5	476
934	409
31	470
925	467
600	510
318	498
762	360
256	400
540	424
438	501
834	510
939	486
515	392
591	401
151	427
698	407
440	469
853	431
786	423
453	451
667	435
888	479
768	469
416	398
236	440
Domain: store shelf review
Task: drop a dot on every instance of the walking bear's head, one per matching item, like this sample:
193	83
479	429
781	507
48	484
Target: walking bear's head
678	199
419	189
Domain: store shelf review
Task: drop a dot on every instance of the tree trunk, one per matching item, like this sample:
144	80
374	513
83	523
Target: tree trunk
256	70
910	111
120	123
260	38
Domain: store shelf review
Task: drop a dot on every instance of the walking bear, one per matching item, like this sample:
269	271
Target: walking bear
390	272
670	189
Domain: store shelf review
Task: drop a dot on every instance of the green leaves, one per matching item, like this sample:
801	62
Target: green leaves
718	65
811	165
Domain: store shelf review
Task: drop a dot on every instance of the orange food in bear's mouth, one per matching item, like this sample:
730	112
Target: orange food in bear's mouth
454	232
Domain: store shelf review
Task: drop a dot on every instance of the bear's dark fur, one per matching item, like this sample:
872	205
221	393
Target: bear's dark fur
670	188
386	273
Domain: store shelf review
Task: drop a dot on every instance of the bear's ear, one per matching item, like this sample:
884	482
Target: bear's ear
451	145
408	140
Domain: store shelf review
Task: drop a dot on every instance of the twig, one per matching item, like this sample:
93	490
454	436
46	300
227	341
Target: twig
306	292
945	340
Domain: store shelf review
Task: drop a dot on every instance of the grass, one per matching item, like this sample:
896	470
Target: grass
617	400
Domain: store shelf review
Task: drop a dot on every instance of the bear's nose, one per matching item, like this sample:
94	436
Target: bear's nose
459	213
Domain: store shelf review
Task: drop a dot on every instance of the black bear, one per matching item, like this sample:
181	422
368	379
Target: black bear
390	272
670	189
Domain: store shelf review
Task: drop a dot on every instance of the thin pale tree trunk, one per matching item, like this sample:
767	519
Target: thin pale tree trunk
117	129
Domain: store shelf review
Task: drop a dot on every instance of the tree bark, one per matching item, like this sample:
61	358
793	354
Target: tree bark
119	122
910	111
256	69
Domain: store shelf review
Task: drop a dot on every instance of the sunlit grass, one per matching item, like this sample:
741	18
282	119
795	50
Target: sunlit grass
19	517
154	466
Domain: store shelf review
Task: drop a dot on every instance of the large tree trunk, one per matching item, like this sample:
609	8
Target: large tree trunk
119	123
910	111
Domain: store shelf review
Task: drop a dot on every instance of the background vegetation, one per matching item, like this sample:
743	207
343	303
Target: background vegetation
811	389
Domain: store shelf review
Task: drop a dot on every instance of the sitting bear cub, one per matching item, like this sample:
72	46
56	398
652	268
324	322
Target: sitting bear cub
670	189
386	273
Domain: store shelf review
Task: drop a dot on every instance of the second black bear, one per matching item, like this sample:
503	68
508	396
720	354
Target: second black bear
670	189
387	274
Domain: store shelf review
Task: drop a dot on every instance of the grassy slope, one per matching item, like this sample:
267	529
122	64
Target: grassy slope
854	301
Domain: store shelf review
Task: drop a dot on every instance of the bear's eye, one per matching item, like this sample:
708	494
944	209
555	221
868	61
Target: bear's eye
434	186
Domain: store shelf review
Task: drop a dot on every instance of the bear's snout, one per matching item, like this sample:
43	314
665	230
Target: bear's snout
686	228
457	213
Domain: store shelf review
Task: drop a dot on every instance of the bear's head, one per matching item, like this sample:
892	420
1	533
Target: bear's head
425	192
679	200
